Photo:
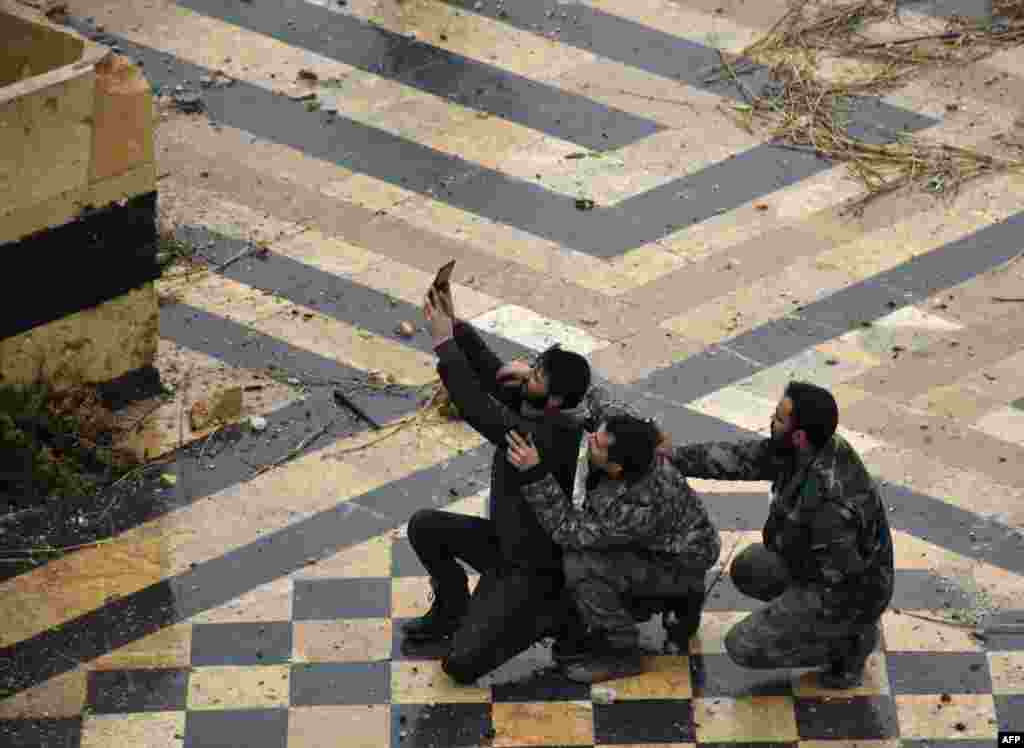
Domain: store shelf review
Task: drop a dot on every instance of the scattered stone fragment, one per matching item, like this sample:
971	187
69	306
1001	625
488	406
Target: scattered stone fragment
945	698
307	96
602	694
307	75
199	415
960	726
257	423
406	329
229	405
584	203
168	479
187	102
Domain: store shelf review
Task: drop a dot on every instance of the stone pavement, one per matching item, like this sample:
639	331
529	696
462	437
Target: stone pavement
262	610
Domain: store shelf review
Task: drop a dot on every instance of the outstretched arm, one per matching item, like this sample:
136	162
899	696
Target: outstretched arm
489	417
611	523
745	460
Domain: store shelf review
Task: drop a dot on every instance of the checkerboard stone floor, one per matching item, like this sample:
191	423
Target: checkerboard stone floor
317	659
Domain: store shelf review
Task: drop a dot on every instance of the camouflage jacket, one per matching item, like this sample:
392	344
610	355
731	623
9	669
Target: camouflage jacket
827	519
659	513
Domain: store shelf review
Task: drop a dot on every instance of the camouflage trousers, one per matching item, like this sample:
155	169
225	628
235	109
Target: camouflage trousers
604	583
793	630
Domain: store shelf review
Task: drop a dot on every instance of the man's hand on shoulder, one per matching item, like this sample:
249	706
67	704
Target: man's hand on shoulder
514	372
522	452
664	449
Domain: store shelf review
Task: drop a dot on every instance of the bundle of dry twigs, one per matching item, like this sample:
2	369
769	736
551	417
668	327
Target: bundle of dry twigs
806	109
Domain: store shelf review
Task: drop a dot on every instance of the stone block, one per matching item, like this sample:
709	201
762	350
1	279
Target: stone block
45	142
55	211
91	346
137	181
123	119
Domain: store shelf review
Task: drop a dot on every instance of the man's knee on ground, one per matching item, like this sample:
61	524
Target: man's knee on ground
462	670
742	651
421	520
758	572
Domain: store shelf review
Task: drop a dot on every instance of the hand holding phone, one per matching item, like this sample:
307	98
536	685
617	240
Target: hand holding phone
442	283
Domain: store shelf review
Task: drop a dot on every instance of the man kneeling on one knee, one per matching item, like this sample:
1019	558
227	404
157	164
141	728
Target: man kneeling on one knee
632	530
826	565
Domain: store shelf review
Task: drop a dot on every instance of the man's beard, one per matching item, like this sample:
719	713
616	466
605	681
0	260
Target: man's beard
783	444
537	401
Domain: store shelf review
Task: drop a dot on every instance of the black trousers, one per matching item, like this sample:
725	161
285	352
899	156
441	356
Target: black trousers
512	606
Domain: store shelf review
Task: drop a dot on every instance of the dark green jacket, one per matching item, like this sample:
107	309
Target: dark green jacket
827	518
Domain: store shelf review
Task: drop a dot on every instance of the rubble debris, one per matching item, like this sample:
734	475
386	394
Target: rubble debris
406	329
188	102
257	423
229	405
307	75
584	203
603	694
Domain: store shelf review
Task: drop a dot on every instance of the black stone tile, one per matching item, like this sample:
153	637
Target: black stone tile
328	599
1010	711
978	9
401	649
473	83
649	721
545	685
1012	639
780	339
466	473
41	733
849	307
329	683
448	725
237	728
698	375
856	718
743	512
241	643
716	675
124	691
919	589
958	261
938	672
404	561
725	596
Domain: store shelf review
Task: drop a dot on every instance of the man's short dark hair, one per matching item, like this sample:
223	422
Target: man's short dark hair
814	411
568	375
634	444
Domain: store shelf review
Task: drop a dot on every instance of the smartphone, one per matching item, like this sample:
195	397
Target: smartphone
444	275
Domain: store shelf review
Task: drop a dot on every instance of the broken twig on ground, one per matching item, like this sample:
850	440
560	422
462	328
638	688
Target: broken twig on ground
342	399
298	448
251	250
804	107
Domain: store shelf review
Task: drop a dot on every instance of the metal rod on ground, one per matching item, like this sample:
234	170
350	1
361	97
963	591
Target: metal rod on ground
342	399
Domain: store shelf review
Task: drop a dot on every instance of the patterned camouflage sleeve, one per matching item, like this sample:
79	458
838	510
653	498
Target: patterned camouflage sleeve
835	544
745	460
599	524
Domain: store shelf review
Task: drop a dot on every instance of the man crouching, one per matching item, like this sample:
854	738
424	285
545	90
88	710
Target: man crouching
632	530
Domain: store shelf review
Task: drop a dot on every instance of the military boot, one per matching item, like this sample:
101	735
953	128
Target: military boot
607	656
681	621
847	669
449	604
